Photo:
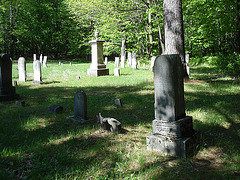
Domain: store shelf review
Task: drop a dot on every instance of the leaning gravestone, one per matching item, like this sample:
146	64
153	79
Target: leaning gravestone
173	132
22	74
116	62
106	61
37	73
134	60
7	91
80	107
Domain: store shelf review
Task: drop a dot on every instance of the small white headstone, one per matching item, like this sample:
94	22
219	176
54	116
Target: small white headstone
116	61
116	72
34	57
41	59
106	61
134	60
37	74
45	61
22	74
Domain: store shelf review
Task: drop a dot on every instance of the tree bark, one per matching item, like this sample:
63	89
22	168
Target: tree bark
173	29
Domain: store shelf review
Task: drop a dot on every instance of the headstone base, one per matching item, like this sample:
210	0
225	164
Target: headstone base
78	119
8	94
180	147
98	72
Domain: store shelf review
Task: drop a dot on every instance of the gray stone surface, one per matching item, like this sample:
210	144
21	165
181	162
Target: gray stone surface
80	107
37	72
109	124
34	57
41	59
55	108
118	102
129	59
45	61
180	147
134	60
169	90
7	91
152	62
187	57
20	103
22	74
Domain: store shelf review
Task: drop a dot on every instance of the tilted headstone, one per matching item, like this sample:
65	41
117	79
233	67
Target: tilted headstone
22	74
109	124
129	59
116	72
34	57
134	60
37	72
173	132
7	91
45	61
116	62
80	107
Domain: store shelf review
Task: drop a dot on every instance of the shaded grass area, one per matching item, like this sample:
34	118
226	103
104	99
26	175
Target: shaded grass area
38	144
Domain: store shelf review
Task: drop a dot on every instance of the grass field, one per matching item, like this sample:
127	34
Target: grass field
38	144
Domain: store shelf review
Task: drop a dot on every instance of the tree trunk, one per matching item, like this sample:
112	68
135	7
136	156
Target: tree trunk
238	26
173	29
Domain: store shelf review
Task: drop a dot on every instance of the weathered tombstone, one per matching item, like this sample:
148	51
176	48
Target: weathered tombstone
116	72
41	59
134	60
78	77
187	57
34	57
22	74
129	59
139	64
106	61
7	91
45	61
152	62
97	68
123	53
80	107
59	63
70	64
37	73
116	62
173	132
118	102
20	103
109	124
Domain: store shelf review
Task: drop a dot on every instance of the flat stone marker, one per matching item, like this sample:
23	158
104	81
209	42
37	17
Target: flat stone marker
134	60
118	102
55	108
20	103
116	62
173	132
22	74
7	91
116	72
80	107
45	61
37	73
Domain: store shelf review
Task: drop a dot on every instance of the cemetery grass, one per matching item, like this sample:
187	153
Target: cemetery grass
38	144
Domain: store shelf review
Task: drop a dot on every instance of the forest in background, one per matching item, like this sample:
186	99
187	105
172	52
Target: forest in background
63	28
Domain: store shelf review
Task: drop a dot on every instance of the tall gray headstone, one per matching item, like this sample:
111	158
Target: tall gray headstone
37	73
116	62
80	107
22	74
129	59
7	91
134	60
173	132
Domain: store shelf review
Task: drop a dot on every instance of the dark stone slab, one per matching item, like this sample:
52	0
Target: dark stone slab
181	128
169	88
7	91
180	147
20	103
55	108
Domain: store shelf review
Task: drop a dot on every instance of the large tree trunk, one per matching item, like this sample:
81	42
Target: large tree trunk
173	29
238	26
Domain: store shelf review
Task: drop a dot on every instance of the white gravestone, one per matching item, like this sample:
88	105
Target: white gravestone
116	72
22	75
37	74
129	59
41	59
45	61
116	61
134	60
34	57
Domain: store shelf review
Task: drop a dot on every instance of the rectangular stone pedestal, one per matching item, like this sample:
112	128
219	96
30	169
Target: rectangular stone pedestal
180	147
98	72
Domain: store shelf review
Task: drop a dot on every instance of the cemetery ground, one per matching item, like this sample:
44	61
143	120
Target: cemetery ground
38	144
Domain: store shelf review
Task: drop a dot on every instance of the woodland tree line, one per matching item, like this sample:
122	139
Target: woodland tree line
61	28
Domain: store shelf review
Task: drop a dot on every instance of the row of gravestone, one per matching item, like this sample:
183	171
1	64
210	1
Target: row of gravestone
37	72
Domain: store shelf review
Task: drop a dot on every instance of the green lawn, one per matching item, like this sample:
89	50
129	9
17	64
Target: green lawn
38	144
